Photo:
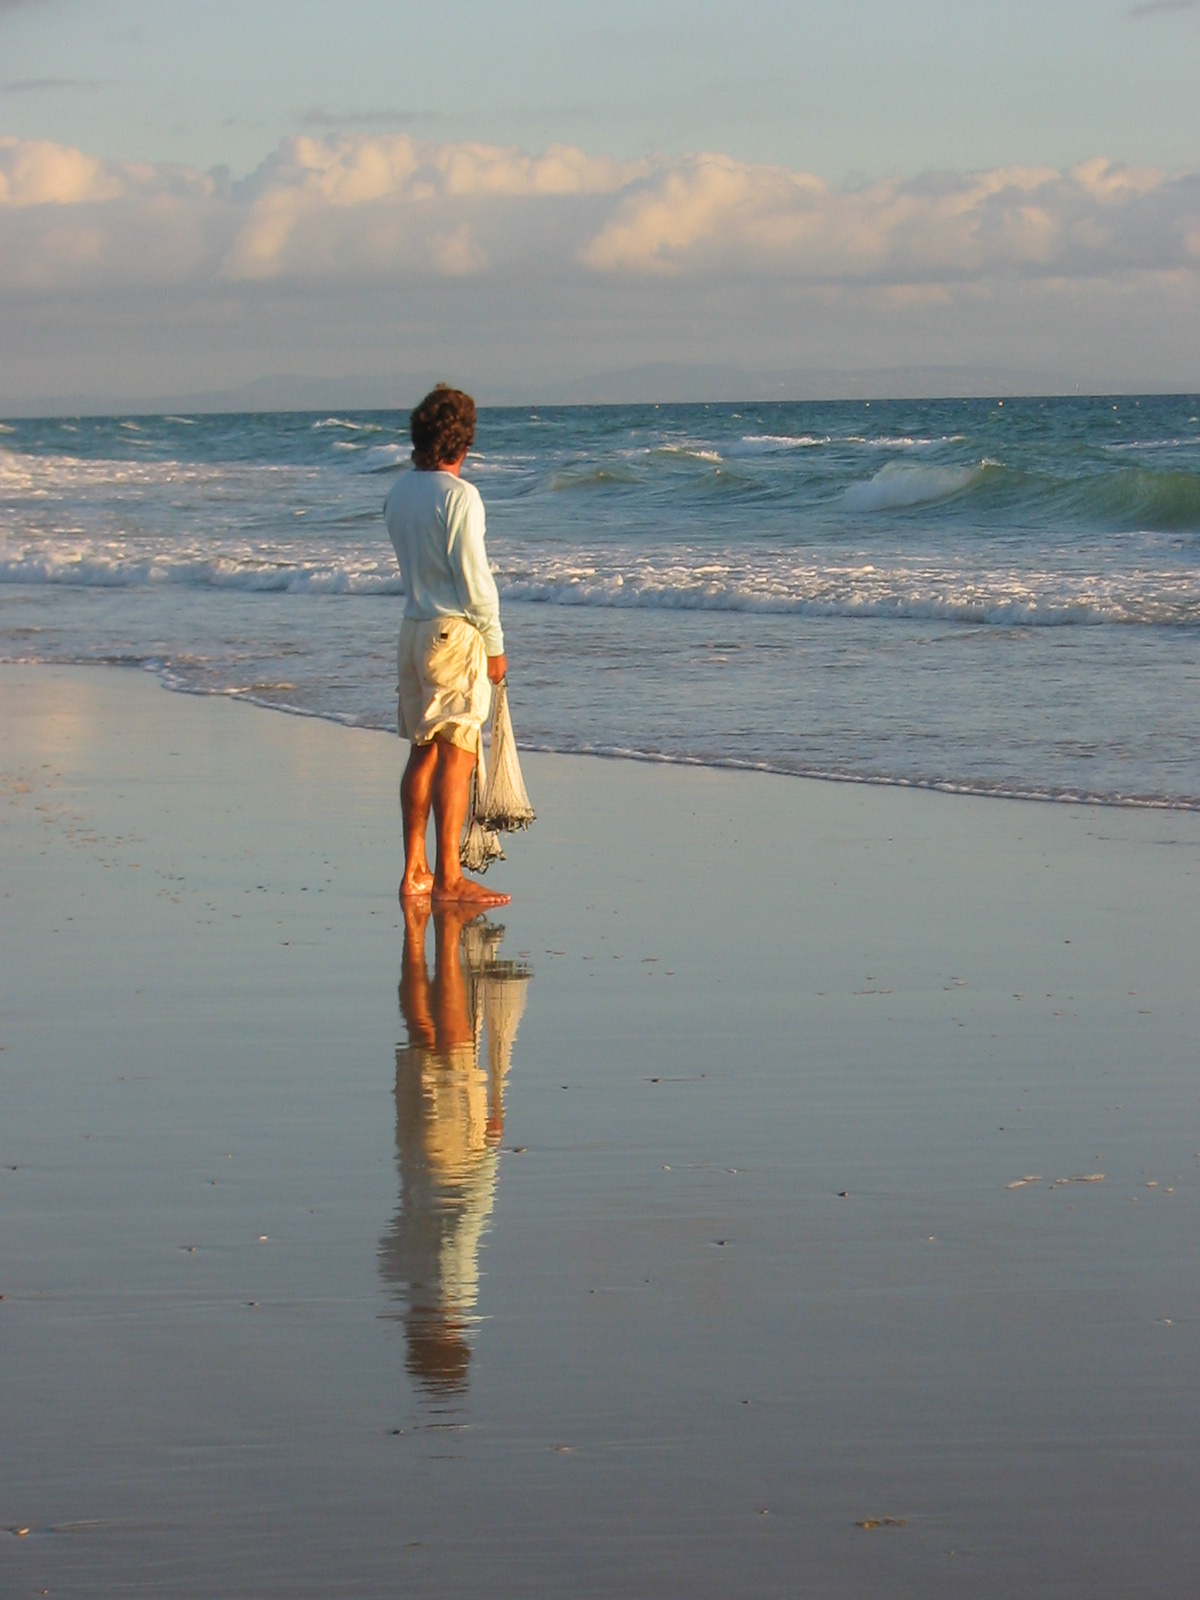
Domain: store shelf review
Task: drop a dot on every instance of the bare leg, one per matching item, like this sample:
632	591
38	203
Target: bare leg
416	797
451	1011
414	974
451	794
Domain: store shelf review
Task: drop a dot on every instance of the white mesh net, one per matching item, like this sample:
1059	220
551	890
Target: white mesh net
499	799
505	804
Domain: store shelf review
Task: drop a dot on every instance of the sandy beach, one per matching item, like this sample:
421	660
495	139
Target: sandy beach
793	1191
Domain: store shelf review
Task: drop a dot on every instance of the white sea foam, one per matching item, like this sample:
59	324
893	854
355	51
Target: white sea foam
686	579
78	564
1125	445
514	463
900	441
899	484
386	457
691	452
48	474
769	443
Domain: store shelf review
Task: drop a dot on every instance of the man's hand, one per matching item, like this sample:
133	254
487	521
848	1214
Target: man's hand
497	667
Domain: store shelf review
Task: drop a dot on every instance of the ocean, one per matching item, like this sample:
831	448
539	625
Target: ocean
989	596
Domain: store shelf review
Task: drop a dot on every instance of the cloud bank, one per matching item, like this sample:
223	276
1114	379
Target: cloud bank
373	254
1158	8
369	209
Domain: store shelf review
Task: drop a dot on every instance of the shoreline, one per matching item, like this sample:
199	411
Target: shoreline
947	786
855	601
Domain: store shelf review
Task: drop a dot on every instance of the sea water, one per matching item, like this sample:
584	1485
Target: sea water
997	596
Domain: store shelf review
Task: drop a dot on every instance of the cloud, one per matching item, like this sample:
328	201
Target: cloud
1158	8
356	204
41	85
350	210
710	215
385	117
35	172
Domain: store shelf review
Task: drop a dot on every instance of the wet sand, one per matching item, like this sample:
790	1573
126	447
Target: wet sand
799	1196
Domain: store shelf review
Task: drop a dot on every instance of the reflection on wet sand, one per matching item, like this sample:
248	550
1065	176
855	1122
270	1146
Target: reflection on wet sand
449	1121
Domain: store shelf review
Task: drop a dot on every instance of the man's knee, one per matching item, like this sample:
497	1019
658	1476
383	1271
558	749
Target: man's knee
417	783
421	759
453	762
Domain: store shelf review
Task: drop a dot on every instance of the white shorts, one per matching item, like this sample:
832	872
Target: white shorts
442	683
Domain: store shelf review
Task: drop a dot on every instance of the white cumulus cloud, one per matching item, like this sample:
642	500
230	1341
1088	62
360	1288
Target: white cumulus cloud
356	208
713	214
35	172
322	206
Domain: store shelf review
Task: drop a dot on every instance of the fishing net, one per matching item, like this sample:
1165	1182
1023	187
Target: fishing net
505	804
498	993
480	846
499	799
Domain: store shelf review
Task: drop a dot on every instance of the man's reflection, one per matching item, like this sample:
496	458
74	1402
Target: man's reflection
449	1120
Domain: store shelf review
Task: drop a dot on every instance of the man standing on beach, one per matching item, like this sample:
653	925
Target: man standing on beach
451	645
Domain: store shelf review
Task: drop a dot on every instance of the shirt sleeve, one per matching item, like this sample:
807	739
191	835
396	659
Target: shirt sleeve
465	531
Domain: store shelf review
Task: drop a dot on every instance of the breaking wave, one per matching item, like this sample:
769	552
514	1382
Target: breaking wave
253	573
901	484
386	457
1129	498
770	583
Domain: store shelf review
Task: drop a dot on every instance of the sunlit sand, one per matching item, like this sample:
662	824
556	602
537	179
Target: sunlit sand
793	1191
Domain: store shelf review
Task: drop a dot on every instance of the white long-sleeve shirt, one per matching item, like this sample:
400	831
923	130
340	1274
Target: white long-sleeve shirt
437	527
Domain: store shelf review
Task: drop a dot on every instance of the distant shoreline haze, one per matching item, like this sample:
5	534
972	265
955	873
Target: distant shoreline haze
638	387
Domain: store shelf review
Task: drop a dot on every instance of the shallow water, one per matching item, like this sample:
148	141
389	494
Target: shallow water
1002	597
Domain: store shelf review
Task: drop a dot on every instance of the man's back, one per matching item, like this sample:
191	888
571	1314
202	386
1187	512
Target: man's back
436	524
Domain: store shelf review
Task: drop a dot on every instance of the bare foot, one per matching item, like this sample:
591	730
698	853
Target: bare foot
417	912
452	916
464	891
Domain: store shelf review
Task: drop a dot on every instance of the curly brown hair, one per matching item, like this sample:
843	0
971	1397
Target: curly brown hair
442	427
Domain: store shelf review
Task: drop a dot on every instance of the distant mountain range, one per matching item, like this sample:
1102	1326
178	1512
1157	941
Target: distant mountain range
652	383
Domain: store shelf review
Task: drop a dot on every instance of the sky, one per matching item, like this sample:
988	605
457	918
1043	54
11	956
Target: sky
299	203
